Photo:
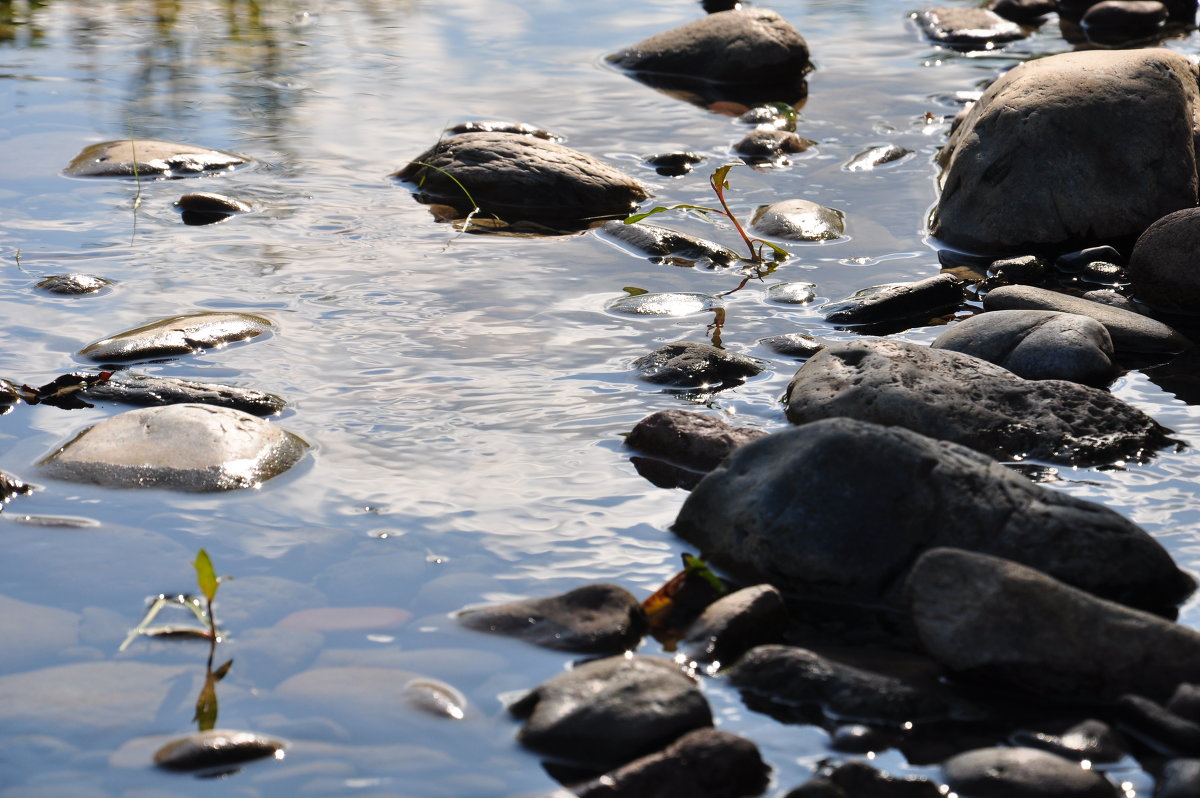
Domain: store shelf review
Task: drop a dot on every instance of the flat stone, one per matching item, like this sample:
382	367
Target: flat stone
216	748
797	345
1023	773
898	301
735	623
178	335
968	28
856	779
799	220
189	447
694	440
689	364
875	157
150	159
1119	21
665	304
661	242
140	389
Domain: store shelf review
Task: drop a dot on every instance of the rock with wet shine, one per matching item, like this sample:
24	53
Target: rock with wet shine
73	284
799	220
661	242
1023	773
856	779
898	301
593	619
1033	126
496	126
519	177
967	28
216	748
1093	740
1180	779
874	497
610	711
694	440
146	390
961	398
735	623
768	145
178	335
1002	623
189	447
1119	21
147	158
694	365
875	157
797	345
1162	267
670	304
1023	12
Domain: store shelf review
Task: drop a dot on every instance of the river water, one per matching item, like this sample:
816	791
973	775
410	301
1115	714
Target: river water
465	395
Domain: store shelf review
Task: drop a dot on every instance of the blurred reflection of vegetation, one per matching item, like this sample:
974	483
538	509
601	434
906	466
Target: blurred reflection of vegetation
17	23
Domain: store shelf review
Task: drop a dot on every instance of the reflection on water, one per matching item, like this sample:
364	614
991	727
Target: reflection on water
465	394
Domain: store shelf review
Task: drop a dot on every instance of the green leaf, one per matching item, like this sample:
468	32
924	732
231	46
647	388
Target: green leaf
718	179
637	217
206	577
633	290
698	567
220	672
206	705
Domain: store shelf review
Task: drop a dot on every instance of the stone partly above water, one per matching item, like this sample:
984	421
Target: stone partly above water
1023	773
189	447
73	284
141	389
799	220
150	159
661	242
967	28
519	177
177	335
672	304
961	398
216	748
689	364
874	497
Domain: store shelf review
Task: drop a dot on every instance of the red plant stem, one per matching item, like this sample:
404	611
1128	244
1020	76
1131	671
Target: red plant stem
720	192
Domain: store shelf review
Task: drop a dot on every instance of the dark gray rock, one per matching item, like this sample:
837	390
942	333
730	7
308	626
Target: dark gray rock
1093	740
753	45
11	487
1180	779
1076	262
1000	622
73	284
898	301
708	762
1185	702
216	748
859	738
797	677
1162	267
672	304
859	780
796	345
769	145
735	623
792	293
694	365
660	242
1021	270
1033	127
967	28
1023	773
960	398
673	164
1023	12
799	220
1107	296
1130	332
1036	344
188	447
150	159
882	155
608	712
875	497
1118	21
1165	729
207	207
140	389
771	115
178	335
520	177
687	438
593	619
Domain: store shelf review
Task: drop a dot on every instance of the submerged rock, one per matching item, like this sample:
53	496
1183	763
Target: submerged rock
1020	270
150	159
874	497
607	712
797	345
799	220
689	364
1032	129
140	389
593	619
694	440
660	242
960	398
967	28
1000	622
216	748
186	447
74	284
792	293
875	157
178	335
1023	773
673	304
520	177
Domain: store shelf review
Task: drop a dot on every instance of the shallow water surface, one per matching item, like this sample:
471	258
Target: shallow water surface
465	395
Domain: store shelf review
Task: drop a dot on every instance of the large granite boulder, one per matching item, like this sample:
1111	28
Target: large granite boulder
961	398
840	509
1026	168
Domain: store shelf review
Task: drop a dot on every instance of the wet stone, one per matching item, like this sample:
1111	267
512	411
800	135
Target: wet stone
1022	270
779	116
733	624
207	207
799	220
694	440
876	156
436	698
858	738
768	145
1117	21
1023	12
140	389
860	780
673	164
792	293
1093	740
148	159
694	365
674	304
1151	721
1103	272
593	619
796	345
73	284
898	301
1076	262
661	242
1162	266
607	712
516	128
188	447
178	335
1023	773
967	28
216	748
11	487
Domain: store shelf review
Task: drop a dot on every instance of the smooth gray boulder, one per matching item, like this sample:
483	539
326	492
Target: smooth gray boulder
661	242
694	440
967	28
519	177
178	335
689	364
750	45
894	302
145	390
799	220
146	158
216	748
609	711
1036	344
190	447
1131	333
961	398
840	509
734	623
1023	773
1121	21
1025	170
1163	267
1000	622
593	619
